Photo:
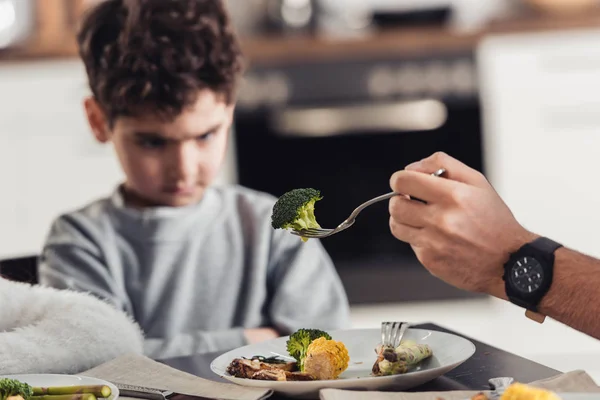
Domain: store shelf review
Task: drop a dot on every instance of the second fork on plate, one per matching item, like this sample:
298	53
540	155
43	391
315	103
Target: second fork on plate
392	333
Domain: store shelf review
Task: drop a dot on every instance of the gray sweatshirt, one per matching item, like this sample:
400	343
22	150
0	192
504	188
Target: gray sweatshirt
44	330
194	277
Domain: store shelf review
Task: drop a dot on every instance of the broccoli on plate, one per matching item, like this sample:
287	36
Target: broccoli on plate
13	389
297	344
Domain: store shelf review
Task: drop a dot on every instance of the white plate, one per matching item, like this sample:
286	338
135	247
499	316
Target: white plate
46	380
449	351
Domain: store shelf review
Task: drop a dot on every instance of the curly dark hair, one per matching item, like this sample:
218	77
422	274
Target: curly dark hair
155	55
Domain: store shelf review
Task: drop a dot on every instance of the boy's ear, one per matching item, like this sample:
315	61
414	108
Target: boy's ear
97	120
231	112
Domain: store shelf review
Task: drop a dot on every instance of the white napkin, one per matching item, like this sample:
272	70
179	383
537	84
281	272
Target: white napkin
142	371
575	381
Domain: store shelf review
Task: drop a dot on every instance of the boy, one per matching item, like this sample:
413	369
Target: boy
199	267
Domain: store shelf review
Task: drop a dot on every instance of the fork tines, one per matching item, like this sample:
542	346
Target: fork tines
312	232
392	332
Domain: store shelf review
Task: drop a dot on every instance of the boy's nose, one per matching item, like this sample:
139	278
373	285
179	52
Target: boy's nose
183	162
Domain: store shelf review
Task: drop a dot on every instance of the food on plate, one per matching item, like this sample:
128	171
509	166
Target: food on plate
297	344
279	375
407	355
520	391
75	396
296	210
96	390
270	375
244	367
280	362
291	365
12	389
255	369
326	359
478	396
317	357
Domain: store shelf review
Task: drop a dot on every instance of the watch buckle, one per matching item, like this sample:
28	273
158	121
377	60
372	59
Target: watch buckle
537	317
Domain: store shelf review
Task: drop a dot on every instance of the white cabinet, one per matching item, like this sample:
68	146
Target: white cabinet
541	102
49	161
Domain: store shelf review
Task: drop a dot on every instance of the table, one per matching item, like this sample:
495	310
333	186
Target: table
487	362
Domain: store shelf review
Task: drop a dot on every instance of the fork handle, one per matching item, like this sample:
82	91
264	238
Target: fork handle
387	196
376	200
390	195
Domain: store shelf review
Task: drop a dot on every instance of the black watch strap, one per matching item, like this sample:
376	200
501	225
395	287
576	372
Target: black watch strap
546	245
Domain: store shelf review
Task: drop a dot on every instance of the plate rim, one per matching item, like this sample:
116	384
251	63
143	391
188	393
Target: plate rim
385	378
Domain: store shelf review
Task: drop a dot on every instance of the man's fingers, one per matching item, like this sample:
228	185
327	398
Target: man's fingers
405	233
408	212
422	186
455	170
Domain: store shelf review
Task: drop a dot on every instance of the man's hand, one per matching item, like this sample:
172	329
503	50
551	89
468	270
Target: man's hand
465	232
257	335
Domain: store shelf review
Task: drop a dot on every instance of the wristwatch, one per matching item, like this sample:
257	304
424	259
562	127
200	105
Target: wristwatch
528	275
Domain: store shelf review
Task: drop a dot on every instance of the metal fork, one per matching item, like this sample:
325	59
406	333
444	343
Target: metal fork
318	233
499	386
392	332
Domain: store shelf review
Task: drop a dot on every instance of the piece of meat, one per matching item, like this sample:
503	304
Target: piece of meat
245	368
299	376
280	375
270	375
288	366
242	368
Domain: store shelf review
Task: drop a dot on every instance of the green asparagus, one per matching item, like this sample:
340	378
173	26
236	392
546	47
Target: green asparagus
96	390
392	361
78	396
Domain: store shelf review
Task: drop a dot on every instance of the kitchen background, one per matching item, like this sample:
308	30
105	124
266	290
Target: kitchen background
356	90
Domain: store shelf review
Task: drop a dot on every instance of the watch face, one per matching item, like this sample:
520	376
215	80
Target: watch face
527	275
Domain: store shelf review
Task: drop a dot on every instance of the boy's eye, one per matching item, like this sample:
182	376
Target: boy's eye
152	143
206	136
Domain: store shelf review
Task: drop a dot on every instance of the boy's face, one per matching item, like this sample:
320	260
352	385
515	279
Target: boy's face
168	163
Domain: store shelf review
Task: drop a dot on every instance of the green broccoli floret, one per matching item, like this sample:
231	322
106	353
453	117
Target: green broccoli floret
298	343
296	210
12	387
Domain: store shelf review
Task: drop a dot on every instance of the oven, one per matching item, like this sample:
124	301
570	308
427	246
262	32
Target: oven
344	127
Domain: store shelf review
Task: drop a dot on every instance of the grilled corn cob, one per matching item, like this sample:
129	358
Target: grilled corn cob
326	359
519	391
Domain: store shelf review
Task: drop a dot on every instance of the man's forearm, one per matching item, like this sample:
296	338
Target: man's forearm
574	297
